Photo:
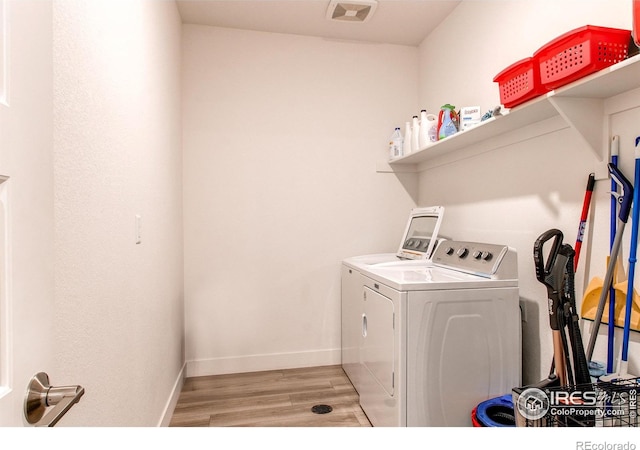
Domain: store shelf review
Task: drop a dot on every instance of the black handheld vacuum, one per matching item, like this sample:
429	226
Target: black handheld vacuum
570	367
556	272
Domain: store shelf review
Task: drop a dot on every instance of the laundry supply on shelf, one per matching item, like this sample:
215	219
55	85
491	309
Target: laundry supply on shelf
495	112
428	125
395	144
447	121
415	134
469	117
406	145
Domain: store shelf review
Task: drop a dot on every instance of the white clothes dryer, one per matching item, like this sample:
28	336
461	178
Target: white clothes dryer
436	339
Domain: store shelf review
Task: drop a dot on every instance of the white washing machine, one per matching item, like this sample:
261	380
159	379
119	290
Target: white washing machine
418	242
436	339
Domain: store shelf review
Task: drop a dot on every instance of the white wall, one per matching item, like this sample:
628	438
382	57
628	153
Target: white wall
117	153
281	138
482	37
514	194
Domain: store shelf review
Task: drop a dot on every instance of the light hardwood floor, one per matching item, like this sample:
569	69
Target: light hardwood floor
275	398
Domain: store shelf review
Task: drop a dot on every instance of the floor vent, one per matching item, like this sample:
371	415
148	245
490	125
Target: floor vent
321	409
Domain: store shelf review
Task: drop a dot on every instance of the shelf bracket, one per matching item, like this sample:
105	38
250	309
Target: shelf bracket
584	115
385	167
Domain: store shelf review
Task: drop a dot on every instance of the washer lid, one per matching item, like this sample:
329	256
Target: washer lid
454	265
431	278
421	234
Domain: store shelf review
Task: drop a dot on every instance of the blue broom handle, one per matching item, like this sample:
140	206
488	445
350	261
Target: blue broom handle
632	256
612	235
612	289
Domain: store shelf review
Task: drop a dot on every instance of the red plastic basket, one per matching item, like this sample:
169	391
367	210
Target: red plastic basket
579	53
519	82
636	22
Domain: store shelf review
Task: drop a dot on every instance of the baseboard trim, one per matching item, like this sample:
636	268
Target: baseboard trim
170	407
257	363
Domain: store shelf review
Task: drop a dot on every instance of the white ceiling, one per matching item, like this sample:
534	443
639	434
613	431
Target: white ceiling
403	22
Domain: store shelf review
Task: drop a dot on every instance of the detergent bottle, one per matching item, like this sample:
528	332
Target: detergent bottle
406	146
415	134
427	122
395	144
447	121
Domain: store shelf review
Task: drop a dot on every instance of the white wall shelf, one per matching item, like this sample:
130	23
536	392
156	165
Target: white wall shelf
581	105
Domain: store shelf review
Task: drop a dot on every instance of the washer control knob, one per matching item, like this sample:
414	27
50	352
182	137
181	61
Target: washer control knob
462	252
449	251
477	254
487	256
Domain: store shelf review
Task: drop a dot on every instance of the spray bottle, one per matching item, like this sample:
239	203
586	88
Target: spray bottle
447	121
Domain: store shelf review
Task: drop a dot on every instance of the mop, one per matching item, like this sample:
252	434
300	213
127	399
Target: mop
615	149
623	365
625	206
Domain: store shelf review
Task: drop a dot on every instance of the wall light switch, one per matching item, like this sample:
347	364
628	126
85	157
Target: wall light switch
138	229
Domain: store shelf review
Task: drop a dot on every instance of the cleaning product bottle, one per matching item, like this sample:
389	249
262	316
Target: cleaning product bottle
395	144
406	147
415	134
447	121
433	131
428	124
427	121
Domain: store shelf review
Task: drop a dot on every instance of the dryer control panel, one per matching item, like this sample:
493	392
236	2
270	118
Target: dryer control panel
486	260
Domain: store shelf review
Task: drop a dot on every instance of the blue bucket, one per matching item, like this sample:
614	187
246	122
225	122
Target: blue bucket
496	412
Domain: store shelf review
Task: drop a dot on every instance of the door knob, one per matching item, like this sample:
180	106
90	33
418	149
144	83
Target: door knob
41	395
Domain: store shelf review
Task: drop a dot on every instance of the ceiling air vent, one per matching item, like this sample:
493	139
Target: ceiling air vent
351	10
